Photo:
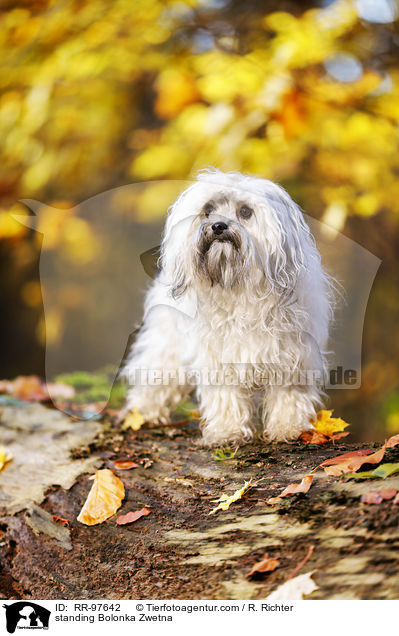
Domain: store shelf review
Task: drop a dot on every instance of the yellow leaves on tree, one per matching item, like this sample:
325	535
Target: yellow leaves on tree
175	90
104	498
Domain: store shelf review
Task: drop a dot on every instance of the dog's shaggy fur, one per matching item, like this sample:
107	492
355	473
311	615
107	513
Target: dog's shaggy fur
241	288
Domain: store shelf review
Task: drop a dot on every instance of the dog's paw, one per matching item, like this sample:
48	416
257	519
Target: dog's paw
216	434
284	431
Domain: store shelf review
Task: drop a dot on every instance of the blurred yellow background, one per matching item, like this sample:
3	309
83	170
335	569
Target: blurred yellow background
96	95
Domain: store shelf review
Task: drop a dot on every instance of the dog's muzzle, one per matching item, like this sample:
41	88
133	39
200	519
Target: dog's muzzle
220	232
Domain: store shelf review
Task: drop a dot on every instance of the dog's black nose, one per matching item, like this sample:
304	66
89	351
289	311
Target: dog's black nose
219	227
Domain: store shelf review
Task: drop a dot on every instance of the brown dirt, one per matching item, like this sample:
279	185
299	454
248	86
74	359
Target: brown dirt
180	551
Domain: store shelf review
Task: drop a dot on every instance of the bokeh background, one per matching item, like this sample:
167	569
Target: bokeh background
97	95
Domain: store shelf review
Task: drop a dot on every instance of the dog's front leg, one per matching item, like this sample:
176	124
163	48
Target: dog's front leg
227	413
288	410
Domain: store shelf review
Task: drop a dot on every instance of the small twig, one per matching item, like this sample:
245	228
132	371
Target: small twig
168	424
298	567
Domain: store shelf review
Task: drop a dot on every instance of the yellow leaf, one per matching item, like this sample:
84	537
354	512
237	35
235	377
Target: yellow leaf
4	457
224	502
329	425
134	420
104	498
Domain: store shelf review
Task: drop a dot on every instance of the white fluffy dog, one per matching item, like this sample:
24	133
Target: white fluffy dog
242	305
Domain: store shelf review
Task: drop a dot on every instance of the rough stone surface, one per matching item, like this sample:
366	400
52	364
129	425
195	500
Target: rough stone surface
179	550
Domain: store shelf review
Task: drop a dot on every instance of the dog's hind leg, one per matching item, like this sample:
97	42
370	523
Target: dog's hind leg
153	368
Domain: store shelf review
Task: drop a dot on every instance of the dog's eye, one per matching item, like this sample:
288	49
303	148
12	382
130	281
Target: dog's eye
208	208
245	212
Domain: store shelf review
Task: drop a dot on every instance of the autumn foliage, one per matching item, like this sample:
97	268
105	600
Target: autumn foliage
95	95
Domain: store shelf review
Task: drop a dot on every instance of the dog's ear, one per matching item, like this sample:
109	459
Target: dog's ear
291	241
174	260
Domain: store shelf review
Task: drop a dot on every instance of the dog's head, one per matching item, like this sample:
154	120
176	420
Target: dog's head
234	231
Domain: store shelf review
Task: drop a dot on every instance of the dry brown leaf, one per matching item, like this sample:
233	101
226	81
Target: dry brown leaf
130	517
377	496
265	565
351	462
393	441
104	498
293	489
314	437
29	388
125	464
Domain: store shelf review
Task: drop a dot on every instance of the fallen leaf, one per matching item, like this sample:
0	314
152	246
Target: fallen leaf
393	441
29	388
339	435
223	454
293	489
180	480
377	496
61	520
346	456
125	464
383	471
104	498
314	437
328	425
351	462
5	457
224	502
326	429
134	420
294	589
265	565
130	517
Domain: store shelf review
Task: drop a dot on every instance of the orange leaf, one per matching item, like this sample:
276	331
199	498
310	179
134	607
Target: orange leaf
293	489
393	441
104	498
338	465
124	464
130	517
26	387
377	496
313	437
340	435
346	456
351	462
265	565
61	520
